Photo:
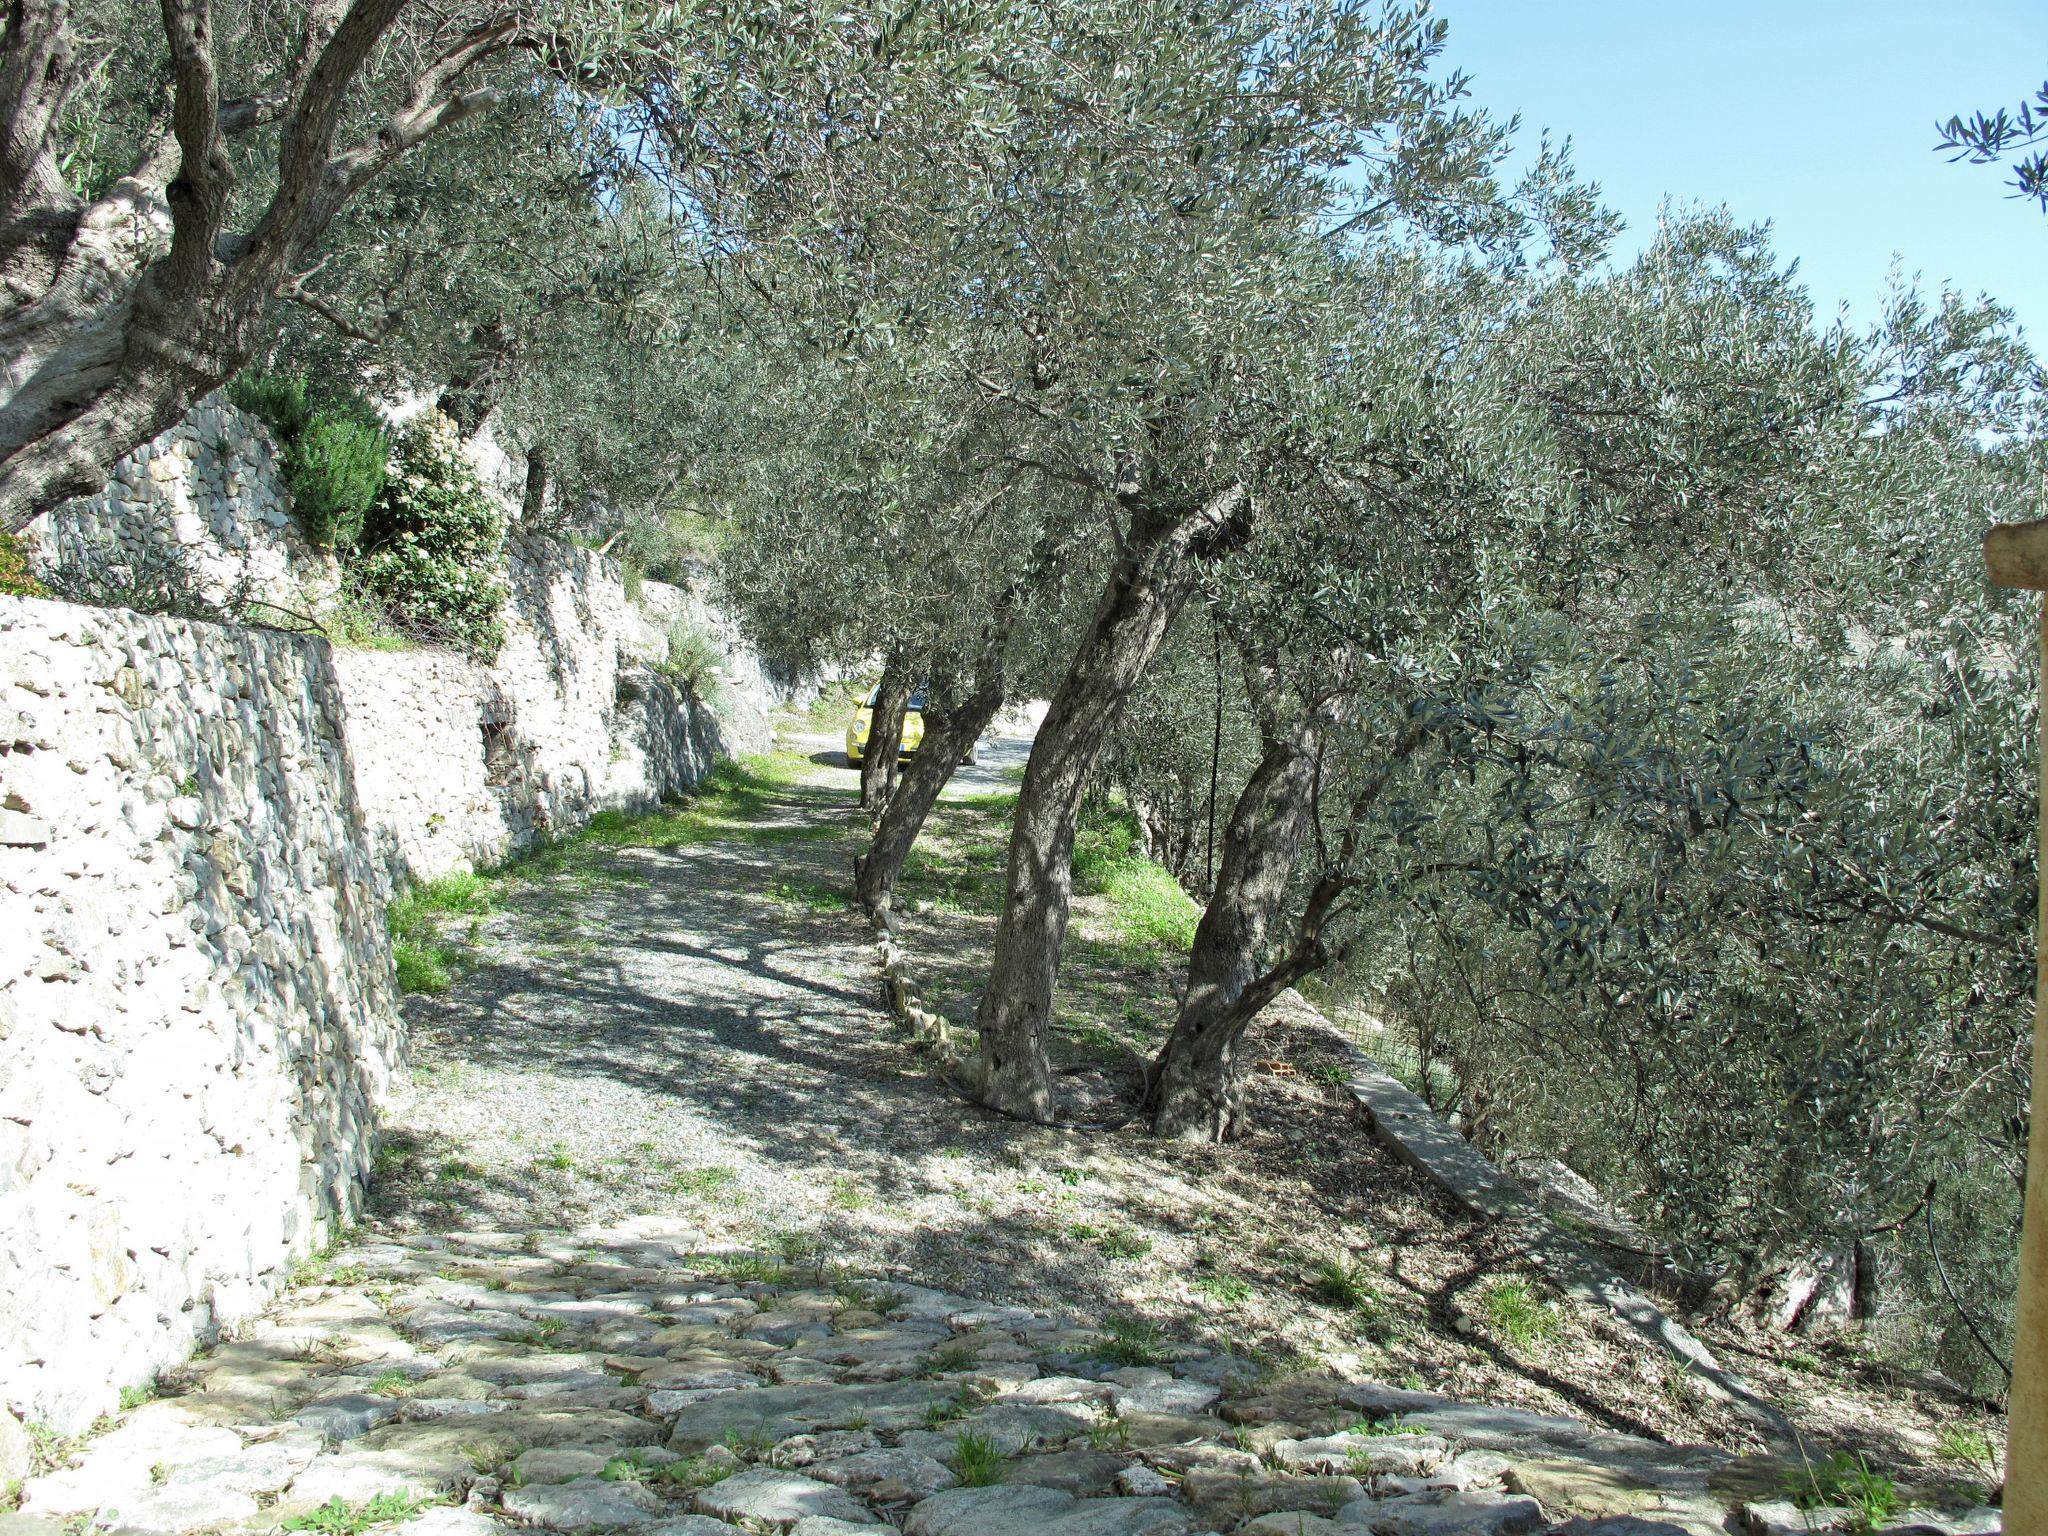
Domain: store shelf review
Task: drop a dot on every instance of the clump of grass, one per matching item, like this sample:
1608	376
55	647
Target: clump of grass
811	896
541	1335
1152	917
338	1517
952	1356
390	1384
697	1472
744	1267
425	961
1962	1442
863	1296
944	1410
1225	1290
976	1459
701	1182
847	1195
1515	1312
1349	1287
1845	1482
1112	1242
1132	1341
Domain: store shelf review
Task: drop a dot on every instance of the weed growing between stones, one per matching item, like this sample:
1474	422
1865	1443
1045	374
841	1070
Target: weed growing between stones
976	1459
426	962
699	1471
1132	1341
1846	1482
338	1517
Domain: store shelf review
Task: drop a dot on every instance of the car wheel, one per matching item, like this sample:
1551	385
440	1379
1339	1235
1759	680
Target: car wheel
852	761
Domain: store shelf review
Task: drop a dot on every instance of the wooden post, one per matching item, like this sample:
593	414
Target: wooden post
2016	554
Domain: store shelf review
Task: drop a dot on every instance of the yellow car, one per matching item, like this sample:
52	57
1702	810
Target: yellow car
864	719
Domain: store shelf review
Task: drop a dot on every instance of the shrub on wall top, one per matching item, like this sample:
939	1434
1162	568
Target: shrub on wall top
333	451
334	473
434	540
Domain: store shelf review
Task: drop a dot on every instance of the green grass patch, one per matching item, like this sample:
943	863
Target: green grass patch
1224	1290
1517	1314
1349	1288
1151	917
976	1459
1846	1482
701	1182
1132	1341
425	960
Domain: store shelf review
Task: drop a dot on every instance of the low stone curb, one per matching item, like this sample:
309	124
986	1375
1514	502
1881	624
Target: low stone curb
1405	1124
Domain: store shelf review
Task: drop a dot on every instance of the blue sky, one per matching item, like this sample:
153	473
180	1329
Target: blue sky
1814	114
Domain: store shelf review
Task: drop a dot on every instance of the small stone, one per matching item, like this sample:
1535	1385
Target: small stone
170	1510
1445	1514
1292	1522
1143	1483
1781	1517
349	1416
1566	1488
16	1454
779	1499
888	1476
1081	1473
1142	1389
1023	1510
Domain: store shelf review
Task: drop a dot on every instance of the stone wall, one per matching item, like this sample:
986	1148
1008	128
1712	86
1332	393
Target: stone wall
201	509
197	1014
458	765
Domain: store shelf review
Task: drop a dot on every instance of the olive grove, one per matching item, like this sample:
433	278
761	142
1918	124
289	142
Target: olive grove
1579	668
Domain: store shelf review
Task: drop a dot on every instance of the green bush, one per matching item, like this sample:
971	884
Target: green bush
332	449
334	472
433	539
279	401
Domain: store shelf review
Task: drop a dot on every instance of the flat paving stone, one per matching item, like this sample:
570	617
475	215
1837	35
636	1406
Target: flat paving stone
779	1499
583	1505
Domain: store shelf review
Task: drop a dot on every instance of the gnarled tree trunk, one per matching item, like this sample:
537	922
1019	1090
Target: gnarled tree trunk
948	733
885	735
1197	1089
117	316
1155	572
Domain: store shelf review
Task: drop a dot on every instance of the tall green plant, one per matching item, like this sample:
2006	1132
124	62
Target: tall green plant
335	472
433	541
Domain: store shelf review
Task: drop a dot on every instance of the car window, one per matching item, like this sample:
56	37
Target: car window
875	693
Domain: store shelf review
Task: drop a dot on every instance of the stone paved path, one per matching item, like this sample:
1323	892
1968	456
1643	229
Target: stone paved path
632	1379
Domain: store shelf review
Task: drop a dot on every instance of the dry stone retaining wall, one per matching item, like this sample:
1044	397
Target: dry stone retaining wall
205	503
197	1017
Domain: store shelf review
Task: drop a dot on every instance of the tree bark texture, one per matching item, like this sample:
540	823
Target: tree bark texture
1198	1089
885	735
1155	573
118	315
